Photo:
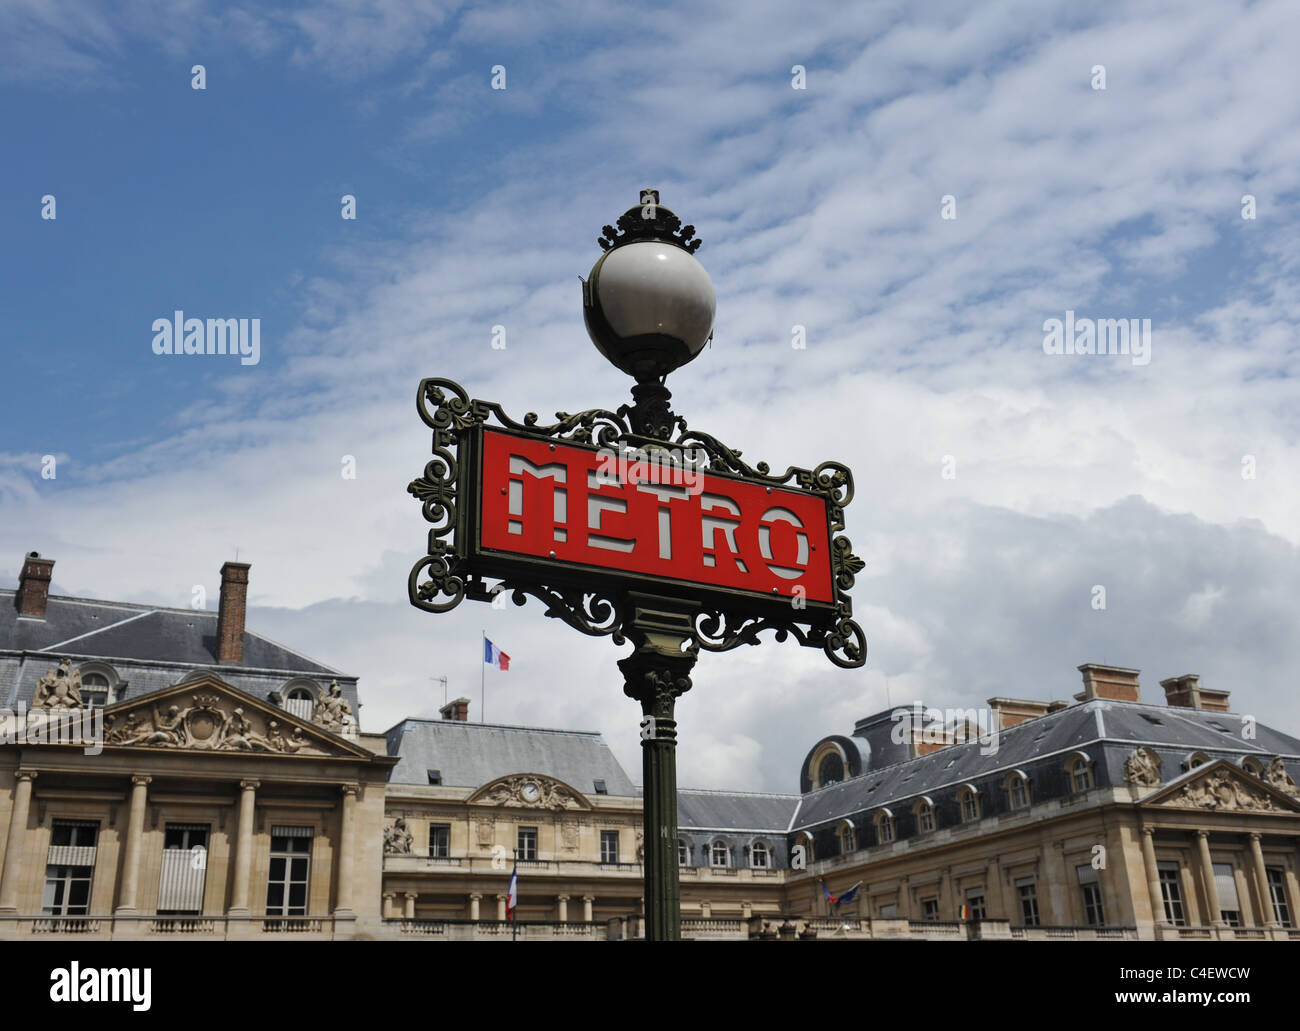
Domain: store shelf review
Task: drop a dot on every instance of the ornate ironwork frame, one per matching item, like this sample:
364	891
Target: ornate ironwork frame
454	570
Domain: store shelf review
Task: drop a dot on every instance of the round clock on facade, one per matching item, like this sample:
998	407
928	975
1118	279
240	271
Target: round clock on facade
531	792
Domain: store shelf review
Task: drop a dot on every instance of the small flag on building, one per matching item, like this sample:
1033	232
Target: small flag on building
512	896
494	656
845	896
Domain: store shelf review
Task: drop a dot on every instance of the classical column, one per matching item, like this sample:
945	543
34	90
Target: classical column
390	909
501	907
1267	917
655	674
16	839
134	842
1153	876
562	904
409	912
1207	876
473	907
243	848
587	900
347	849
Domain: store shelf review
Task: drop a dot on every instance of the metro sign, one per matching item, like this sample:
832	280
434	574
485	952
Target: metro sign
612	529
631	514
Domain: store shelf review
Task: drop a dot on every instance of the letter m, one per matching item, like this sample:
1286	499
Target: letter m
1112	336
115	985
557	473
219	332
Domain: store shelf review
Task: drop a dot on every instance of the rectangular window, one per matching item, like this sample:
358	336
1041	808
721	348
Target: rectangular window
975	900
609	846
70	867
1093	914
1027	892
600	787
526	843
290	871
1171	889
184	869
1277	894
1226	885
439	840
930	908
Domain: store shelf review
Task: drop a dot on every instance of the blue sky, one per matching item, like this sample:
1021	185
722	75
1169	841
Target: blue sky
818	207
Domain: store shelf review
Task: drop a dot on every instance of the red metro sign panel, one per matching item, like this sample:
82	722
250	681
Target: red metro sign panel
650	514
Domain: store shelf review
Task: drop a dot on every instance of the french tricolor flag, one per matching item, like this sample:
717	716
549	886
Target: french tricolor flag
494	656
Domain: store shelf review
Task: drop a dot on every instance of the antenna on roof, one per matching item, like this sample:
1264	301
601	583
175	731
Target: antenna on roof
443	681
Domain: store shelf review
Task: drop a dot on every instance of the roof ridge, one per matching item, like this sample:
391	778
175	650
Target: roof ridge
439	722
748	794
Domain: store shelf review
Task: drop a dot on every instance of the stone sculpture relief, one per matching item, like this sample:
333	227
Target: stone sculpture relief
1221	790
60	688
206	724
1277	776
1142	767
397	839
533	793
333	711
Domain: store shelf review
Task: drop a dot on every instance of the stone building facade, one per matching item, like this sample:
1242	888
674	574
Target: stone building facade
169	773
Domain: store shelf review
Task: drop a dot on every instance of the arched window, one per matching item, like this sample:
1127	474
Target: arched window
830	770
1194	760
924	810
848	838
719	854
100	684
94	690
827	765
884	826
1252	766
760	856
300	698
1079	767
683	853
1017	786
969	799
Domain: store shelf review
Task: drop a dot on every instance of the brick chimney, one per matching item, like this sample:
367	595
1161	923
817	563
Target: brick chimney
1108	682
231	611
34	585
1185	692
456	710
1007	712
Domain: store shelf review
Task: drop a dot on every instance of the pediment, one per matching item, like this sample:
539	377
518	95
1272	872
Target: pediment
530	791
208	715
1220	786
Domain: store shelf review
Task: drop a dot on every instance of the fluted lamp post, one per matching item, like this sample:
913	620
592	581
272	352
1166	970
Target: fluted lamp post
649	307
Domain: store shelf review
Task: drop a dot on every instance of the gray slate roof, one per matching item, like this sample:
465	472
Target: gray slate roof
149	647
735	811
81	626
473	754
1111	728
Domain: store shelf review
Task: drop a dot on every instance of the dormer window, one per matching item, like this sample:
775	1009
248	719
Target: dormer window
1017	787
970	803
94	690
1079	768
924	810
848	838
884	826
